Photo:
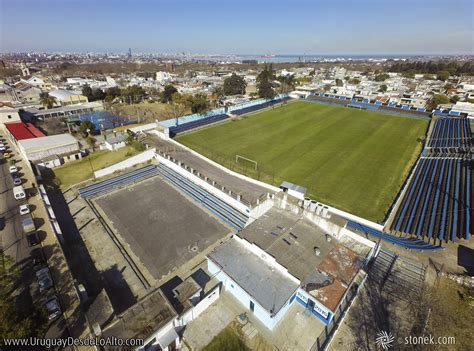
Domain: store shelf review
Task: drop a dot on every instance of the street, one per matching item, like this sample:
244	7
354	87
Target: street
13	243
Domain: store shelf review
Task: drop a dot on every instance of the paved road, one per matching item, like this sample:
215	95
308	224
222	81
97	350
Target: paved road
14	244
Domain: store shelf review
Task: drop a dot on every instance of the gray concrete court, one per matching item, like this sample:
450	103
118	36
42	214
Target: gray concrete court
162	227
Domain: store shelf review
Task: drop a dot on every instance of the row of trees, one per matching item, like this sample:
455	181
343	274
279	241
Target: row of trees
16	319
131	94
434	67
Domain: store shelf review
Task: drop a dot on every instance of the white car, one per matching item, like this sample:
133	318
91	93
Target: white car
24	209
2	148
13	169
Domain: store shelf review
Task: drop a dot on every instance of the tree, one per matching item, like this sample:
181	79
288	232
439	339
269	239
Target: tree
98	94
234	85
16	322
87	127
133	94
383	88
91	142
454	99
287	83
88	93
47	100
198	103
442	75
167	93
339	82
217	94
265	82
177	107
354	81
113	92
437	99
381	77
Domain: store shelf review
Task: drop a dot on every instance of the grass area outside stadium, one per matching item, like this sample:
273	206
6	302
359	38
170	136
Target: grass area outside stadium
352	159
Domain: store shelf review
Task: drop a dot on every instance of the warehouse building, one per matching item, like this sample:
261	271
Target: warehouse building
66	97
50	151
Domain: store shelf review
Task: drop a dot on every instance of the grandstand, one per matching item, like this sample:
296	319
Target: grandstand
253	108
186	123
196	124
437	204
222	210
450	135
121	181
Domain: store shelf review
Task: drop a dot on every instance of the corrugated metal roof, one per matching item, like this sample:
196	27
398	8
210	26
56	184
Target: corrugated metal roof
22	131
47	142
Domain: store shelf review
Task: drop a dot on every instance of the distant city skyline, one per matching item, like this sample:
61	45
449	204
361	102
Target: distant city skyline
406	27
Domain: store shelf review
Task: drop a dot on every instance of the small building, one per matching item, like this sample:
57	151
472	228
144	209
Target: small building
50	151
152	319
27	93
254	278
36	81
8	113
66	97
115	141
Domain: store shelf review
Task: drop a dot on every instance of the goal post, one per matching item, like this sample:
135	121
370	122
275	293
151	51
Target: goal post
248	160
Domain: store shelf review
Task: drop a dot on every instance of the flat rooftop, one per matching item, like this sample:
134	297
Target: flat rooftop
163	228
142	319
293	241
270	287
290	239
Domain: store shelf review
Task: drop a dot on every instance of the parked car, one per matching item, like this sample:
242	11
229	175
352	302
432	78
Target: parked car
33	239
7	155
44	279
24	209
13	169
2	148
17	181
53	308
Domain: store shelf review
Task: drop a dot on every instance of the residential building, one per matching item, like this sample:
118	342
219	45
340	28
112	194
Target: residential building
8	113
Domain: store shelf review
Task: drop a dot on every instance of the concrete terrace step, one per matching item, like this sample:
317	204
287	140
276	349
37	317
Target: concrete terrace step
227	213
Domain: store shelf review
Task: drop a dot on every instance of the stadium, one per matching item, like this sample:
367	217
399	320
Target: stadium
301	192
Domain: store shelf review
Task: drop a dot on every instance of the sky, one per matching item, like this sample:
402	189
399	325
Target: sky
239	27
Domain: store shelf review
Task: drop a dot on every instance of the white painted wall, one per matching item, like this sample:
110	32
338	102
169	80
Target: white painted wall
194	312
158	334
129	162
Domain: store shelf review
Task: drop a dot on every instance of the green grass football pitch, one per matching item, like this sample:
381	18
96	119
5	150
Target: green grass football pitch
352	159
